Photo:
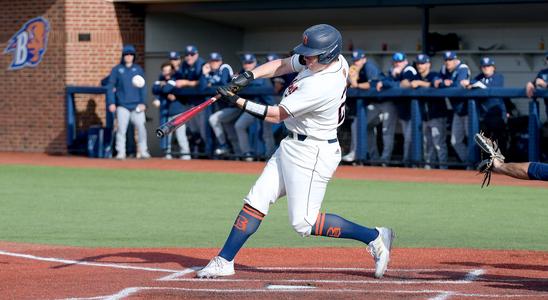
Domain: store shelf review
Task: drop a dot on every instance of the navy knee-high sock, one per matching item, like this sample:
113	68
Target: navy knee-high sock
337	227
246	224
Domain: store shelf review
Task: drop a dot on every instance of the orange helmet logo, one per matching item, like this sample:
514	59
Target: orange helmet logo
29	44
305	39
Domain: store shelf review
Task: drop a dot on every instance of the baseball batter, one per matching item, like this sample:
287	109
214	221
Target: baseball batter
312	108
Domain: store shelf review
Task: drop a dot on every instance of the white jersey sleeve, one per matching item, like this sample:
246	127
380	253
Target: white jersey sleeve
303	98
295	64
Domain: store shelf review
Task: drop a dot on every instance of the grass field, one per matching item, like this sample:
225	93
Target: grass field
150	208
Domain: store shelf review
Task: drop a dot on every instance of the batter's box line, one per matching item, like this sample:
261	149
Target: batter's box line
177	276
133	290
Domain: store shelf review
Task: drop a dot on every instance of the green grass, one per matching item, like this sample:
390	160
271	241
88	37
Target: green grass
150	208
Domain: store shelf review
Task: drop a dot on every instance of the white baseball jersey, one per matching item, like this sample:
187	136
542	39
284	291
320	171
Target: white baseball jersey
301	169
315	101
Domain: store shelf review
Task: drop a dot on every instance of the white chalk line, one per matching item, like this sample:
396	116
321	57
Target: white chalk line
132	290
471	276
87	263
468	278
383	281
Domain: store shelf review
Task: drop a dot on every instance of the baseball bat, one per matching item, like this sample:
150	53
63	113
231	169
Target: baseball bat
183	117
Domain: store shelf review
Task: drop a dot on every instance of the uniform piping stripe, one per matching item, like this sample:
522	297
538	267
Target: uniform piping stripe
310	184
286	109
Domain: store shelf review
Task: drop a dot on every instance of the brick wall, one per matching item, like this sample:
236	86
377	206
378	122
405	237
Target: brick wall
32	108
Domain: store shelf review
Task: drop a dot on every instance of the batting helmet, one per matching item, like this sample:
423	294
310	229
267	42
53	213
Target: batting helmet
322	40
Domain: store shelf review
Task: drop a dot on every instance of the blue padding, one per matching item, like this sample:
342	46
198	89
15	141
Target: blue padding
361	118
534	128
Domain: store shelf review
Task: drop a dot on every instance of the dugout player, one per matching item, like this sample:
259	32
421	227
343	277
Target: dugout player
540	82
399	75
189	77
492	110
162	102
362	74
434	112
249	62
312	108
454	73
216	73
128	102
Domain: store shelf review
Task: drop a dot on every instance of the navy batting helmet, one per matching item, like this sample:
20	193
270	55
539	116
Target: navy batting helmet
322	40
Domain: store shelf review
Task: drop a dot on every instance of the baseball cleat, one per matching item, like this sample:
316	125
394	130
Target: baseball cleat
217	267
380	250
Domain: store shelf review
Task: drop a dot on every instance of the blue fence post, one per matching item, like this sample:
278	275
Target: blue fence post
208	133
473	128
70	118
416	132
361	141
534	127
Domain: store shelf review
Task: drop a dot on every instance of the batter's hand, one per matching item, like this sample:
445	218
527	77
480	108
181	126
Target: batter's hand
241	81
227	95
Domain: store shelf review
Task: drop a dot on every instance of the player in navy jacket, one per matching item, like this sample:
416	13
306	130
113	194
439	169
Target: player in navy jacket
216	73
128	102
400	75
249	62
492	110
189	77
455	74
540	82
434	113
363	74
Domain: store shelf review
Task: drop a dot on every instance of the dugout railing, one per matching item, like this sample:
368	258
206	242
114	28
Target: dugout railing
362	98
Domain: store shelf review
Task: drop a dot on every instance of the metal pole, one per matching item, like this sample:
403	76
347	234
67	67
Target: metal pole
425	28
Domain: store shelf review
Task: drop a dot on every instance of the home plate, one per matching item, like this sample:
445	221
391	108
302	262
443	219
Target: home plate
289	287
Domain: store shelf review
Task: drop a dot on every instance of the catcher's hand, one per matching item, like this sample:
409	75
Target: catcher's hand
240	81
490	149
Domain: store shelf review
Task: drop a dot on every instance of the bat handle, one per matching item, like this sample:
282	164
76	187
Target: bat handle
162	131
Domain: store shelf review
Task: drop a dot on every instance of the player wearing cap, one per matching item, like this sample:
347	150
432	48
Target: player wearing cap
454	73
540	82
175	59
434	113
492	110
249	62
216	73
312	108
163	100
400	75
189	77
363	73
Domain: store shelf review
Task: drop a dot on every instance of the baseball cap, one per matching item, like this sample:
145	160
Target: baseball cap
174	55
358	54
449	55
215	56
272	56
422	59
248	58
398	56
487	61
191	49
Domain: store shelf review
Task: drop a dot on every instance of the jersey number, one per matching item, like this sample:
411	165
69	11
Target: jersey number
342	109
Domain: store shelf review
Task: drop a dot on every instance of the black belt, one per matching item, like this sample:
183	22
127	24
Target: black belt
302	137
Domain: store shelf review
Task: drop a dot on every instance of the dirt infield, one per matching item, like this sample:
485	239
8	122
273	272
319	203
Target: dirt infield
52	272
222	166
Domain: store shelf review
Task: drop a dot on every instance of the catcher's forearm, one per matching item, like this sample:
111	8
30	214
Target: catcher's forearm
516	170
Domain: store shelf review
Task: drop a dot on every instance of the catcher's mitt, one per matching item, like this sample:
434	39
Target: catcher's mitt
490	149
